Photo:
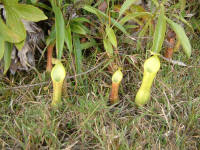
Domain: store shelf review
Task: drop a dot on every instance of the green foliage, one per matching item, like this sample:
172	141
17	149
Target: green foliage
8	35
125	6
88	41
159	34
78	28
68	38
13	20
181	36
108	46
111	36
102	16
7	56
77	53
14	31
2	47
60	30
28	12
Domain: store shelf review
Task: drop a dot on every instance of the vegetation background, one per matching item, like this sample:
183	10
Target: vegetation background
93	38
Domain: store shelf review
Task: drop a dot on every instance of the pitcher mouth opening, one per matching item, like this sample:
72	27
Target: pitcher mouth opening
152	65
58	73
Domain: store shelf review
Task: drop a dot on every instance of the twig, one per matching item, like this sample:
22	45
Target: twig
135	38
47	82
175	62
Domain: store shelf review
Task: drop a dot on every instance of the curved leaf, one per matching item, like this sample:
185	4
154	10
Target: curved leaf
133	16
29	12
108	47
77	28
103	15
111	36
20	45
60	31
81	20
7	56
88	45
68	38
159	33
142	33
9	35
2	47
126	5
181	36
15	24
181	18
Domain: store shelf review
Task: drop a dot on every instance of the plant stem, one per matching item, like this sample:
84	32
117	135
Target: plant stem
49	57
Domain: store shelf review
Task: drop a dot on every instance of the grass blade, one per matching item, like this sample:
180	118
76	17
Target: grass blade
77	53
68	38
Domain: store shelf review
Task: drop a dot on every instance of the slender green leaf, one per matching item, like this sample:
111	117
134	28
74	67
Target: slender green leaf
2	47
159	34
131	26
151	32
126	5
90	9
7	56
133	16
88	45
52	37
142	33
68	38
29	12
178	29
81	20
20	45
77	53
60	31
103	15
108	47
184	21
111	36
8	34
77	28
